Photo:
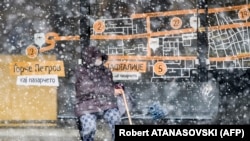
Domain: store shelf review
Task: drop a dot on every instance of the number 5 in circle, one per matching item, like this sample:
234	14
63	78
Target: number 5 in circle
160	68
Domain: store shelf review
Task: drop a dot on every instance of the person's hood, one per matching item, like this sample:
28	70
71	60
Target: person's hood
90	53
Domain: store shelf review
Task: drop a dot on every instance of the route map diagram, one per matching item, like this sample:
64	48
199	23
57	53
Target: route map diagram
163	45
171	51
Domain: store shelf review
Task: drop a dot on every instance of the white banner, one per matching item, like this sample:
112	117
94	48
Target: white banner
38	80
126	75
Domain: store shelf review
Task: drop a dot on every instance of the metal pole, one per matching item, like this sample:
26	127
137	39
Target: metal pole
84	27
202	40
84	23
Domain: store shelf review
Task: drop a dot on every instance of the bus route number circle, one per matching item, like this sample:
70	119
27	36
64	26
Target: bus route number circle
160	68
176	23
243	14
31	51
99	26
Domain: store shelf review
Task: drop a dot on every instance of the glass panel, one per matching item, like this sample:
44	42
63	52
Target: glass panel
229	34
37	33
152	48
148	40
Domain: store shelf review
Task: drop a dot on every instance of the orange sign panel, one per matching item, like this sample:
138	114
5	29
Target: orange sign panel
130	66
37	68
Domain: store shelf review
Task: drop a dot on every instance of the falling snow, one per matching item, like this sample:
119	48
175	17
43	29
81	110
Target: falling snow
223	99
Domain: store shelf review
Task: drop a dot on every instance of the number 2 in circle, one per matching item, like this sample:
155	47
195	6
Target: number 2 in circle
99	26
31	51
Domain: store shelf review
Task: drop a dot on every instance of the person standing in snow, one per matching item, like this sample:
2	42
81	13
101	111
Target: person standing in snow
95	94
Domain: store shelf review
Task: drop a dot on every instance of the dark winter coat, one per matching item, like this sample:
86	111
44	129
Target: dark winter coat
94	85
